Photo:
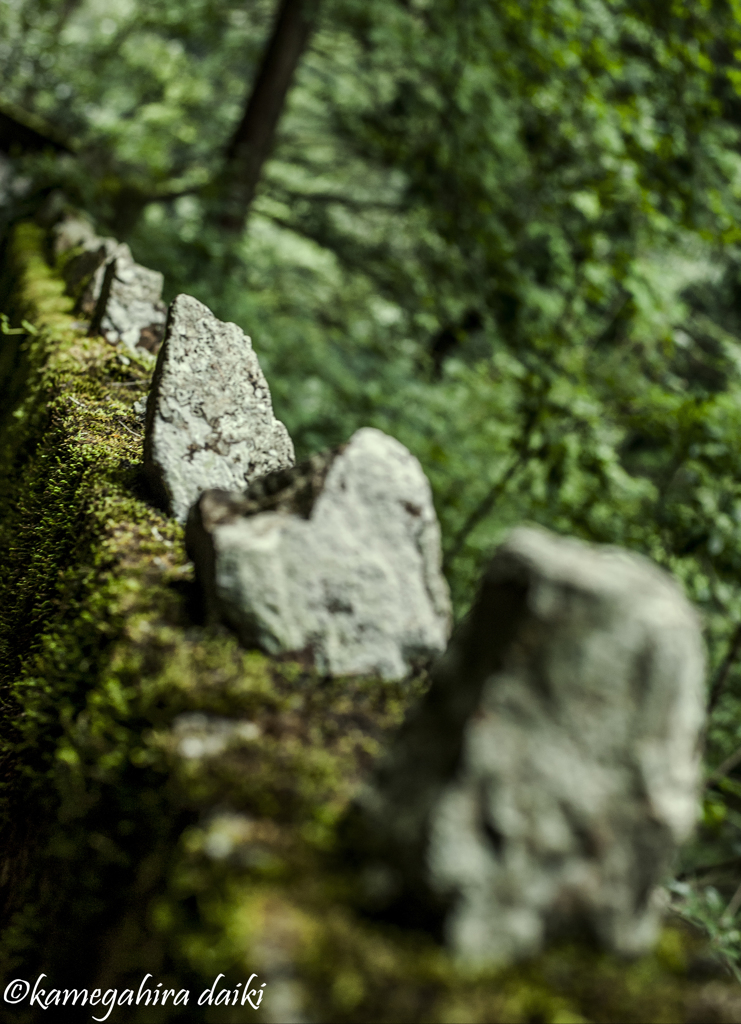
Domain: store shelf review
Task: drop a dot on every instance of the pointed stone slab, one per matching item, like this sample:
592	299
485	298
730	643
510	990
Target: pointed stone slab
210	419
129	306
122	299
553	766
337	559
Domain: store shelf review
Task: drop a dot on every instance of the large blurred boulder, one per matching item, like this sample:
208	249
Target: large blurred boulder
210	419
546	779
338	558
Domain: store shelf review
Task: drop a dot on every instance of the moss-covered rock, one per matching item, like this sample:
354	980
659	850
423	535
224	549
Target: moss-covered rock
168	801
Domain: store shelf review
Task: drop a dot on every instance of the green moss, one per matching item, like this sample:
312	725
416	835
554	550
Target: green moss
130	845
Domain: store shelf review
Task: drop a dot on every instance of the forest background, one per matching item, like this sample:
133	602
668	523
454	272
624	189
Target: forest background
507	233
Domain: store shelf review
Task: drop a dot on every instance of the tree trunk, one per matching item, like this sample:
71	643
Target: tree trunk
252	141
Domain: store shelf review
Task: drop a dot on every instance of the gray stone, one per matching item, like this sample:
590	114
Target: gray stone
139	409
338	558
84	273
122	299
210	419
544	782
127	299
72	232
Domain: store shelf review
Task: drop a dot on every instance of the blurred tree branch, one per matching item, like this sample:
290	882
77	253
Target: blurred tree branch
252	140
24	132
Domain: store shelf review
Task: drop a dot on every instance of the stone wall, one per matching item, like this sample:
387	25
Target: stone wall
170	801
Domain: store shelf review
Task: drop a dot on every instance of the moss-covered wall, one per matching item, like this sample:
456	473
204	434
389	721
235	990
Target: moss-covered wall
140	836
